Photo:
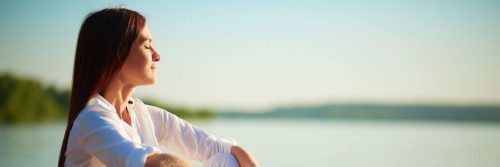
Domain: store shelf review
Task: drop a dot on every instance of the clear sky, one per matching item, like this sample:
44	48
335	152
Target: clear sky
256	54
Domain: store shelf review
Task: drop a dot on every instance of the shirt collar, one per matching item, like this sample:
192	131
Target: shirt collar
99	100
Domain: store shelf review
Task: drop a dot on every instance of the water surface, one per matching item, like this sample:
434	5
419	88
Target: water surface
281	143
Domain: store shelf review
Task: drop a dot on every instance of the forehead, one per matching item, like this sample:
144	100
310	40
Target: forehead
145	34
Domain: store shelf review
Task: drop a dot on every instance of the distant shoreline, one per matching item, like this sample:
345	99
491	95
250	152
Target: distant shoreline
379	112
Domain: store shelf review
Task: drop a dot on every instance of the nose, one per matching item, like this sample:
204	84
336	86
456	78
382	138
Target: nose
156	56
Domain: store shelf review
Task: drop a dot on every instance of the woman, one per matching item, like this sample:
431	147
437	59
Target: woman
106	126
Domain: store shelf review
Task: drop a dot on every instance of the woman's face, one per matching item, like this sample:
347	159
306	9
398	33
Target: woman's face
141	64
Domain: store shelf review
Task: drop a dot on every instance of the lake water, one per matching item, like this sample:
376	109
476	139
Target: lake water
304	143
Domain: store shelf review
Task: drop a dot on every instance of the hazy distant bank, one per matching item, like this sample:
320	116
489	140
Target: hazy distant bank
374	112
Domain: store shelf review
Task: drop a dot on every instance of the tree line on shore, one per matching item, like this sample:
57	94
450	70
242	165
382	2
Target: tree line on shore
24	100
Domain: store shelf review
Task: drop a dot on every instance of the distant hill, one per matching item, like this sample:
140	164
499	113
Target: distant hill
376	112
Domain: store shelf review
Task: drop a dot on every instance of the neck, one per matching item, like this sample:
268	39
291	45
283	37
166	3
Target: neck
117	93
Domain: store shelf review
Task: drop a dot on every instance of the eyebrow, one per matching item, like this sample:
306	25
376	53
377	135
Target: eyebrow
147	39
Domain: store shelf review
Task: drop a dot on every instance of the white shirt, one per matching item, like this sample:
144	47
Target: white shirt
100	138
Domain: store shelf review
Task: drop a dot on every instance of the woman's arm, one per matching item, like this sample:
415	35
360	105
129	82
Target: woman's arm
166	160
245	159
179	135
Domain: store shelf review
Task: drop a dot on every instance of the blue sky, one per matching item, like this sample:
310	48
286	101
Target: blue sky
259	54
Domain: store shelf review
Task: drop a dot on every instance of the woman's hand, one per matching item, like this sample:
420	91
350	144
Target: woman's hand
245	159
166	160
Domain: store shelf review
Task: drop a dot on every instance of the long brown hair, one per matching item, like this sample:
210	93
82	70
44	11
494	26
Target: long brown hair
104	43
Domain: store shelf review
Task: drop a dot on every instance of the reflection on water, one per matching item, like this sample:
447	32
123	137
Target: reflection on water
29	145
306	142
362	143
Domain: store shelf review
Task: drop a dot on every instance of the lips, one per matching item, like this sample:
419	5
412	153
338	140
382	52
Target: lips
154	66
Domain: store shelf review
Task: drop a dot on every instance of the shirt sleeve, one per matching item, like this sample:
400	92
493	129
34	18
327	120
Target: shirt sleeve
100	135
179	135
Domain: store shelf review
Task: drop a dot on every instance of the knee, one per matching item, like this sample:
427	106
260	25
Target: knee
221	160
166	160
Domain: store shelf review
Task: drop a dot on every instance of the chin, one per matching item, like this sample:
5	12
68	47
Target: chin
153	81
148	81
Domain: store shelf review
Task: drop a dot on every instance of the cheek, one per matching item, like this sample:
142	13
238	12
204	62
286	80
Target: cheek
137	61
137	66
134	74
131	67
128	70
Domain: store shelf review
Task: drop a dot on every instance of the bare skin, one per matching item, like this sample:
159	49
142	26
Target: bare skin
244	158
166	160
140	69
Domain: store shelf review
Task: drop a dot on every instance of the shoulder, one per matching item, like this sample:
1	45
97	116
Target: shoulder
157	114
149	108
97	108
95	116
96	111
